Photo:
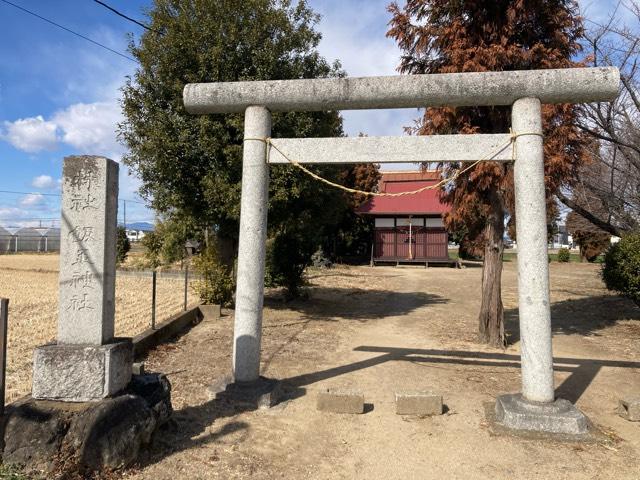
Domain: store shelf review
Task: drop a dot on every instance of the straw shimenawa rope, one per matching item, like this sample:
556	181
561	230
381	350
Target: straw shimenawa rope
512	140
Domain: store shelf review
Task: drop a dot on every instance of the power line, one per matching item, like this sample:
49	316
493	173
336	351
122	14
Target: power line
29	219
14	192
68	30
128	18
31	193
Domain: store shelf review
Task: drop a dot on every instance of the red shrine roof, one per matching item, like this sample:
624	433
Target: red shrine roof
423	203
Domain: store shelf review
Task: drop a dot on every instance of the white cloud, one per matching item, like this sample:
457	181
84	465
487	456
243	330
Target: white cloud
88	127
31	135
45	182
32	200
10	212
91	127
355	33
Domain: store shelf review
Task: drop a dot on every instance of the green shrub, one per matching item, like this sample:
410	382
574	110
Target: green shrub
216	284
621	267
153	249
288	254
123	245
564	255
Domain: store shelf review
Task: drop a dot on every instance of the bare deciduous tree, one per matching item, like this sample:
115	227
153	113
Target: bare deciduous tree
608	192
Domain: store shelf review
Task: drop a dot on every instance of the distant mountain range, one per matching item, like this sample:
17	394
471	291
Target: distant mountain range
144	226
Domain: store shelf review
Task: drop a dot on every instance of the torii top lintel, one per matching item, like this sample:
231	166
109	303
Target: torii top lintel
569	85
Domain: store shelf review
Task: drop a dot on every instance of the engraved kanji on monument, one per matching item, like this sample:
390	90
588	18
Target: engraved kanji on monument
88	251
86	363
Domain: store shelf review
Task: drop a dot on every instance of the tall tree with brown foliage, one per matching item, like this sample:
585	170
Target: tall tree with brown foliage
444	36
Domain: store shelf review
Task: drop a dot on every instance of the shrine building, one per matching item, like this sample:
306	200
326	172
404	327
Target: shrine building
409	228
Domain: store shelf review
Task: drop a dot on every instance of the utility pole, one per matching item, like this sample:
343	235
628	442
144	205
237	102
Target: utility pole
124	213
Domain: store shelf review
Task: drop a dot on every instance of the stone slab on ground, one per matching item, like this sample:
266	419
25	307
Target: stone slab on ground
340	401
263	393
629	408
49	436
560	416
210	312
81	373
418	403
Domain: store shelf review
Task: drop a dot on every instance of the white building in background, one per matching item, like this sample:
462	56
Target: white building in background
135	235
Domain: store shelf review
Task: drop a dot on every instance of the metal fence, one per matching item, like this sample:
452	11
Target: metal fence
153	295
144	299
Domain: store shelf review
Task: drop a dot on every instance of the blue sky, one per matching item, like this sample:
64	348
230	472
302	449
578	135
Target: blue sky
59	93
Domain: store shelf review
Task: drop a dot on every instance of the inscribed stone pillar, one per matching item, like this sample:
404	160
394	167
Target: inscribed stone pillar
88	250
252	246
533	258
536	408
86	363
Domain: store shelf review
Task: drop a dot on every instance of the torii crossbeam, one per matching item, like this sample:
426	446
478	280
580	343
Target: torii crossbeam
536	408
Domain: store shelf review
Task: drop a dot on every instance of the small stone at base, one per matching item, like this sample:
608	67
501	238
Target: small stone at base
629	408
262	393
418	403
560	416
341	401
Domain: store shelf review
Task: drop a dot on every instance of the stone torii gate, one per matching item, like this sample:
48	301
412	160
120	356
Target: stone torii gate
536	408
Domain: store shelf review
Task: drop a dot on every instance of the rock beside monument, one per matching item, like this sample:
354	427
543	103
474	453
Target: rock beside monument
63	437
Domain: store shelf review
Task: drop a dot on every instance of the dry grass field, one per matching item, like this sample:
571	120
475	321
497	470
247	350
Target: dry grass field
30	281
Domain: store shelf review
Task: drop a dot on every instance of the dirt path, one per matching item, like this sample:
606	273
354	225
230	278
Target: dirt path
387	329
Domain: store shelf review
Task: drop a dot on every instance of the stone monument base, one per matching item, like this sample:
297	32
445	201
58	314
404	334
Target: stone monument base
81	373
560	416
262	393
60	437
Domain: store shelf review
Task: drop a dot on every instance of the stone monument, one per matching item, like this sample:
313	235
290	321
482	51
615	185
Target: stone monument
87	411
86	363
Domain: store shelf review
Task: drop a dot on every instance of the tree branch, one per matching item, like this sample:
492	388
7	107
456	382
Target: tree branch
606	226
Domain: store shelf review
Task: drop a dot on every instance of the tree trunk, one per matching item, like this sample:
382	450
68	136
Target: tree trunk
227	251
491	318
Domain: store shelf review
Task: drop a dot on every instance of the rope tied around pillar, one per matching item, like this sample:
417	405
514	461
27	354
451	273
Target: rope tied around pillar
512	141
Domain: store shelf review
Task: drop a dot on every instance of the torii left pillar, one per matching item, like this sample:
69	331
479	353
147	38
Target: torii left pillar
246	385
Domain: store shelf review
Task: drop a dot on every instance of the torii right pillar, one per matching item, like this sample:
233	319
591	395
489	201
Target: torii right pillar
536	408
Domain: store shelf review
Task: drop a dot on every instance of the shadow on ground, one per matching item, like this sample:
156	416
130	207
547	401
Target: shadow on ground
582	370
354	303
582	316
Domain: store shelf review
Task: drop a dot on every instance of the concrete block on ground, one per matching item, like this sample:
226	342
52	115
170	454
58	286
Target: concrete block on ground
340	401
629	408
210	312
418	403
81	373
163	331
559	416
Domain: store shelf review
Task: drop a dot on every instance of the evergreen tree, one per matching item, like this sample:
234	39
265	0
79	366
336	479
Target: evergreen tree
444	36
190	165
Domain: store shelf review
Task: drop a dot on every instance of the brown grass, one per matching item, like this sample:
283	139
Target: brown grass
31	284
